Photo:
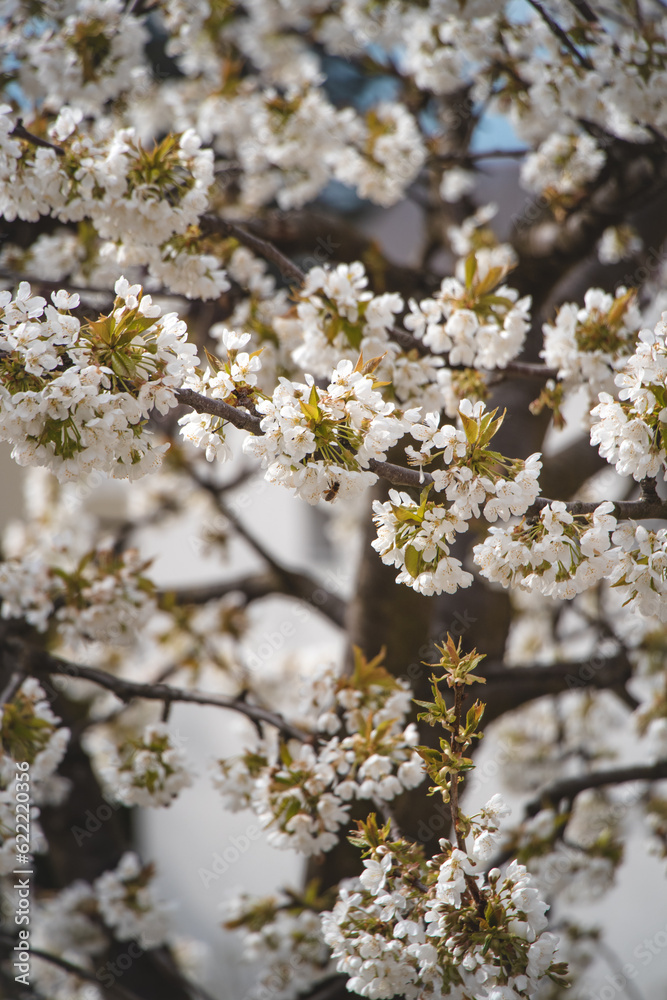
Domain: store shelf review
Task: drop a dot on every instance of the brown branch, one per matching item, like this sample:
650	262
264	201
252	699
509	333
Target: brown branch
637	510
397	475
127	690
528	369
561	35
212	224
586	12
254	587
507	688
569	788
488	154
290	582
218	408
649	506
21	132
190	985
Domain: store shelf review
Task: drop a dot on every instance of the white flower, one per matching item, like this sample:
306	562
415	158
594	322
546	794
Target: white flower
374	877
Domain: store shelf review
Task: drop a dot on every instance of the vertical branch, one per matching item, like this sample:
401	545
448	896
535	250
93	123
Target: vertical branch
454	784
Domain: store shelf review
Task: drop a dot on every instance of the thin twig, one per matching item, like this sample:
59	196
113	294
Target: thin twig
254	543
294	583
127	690
561	35
253	587
21	132
212	224
457	749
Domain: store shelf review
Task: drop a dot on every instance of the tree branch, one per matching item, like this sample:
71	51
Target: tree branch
637	510
525	369
293	583
256	586
507	688
203	404
586	12
488	154
21	132
252	587
561	35
212	224
642	509
569	788
127	690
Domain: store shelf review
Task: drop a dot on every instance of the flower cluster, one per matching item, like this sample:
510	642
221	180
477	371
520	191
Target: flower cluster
85	54
29	731
562	166
640	570
147	770
474	474
290	140
474	319
79	922
145	203
588	345
304	790
67	924
384	153
234	381
319	441
632	433
619	243
444	926
417	537
558	554
283	938
286	141
102	597
582	862
127	903
337	316
441	927
76	397
126	191
32	745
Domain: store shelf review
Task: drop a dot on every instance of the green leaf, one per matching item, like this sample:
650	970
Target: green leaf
412	560
470	426
490	281
470	269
